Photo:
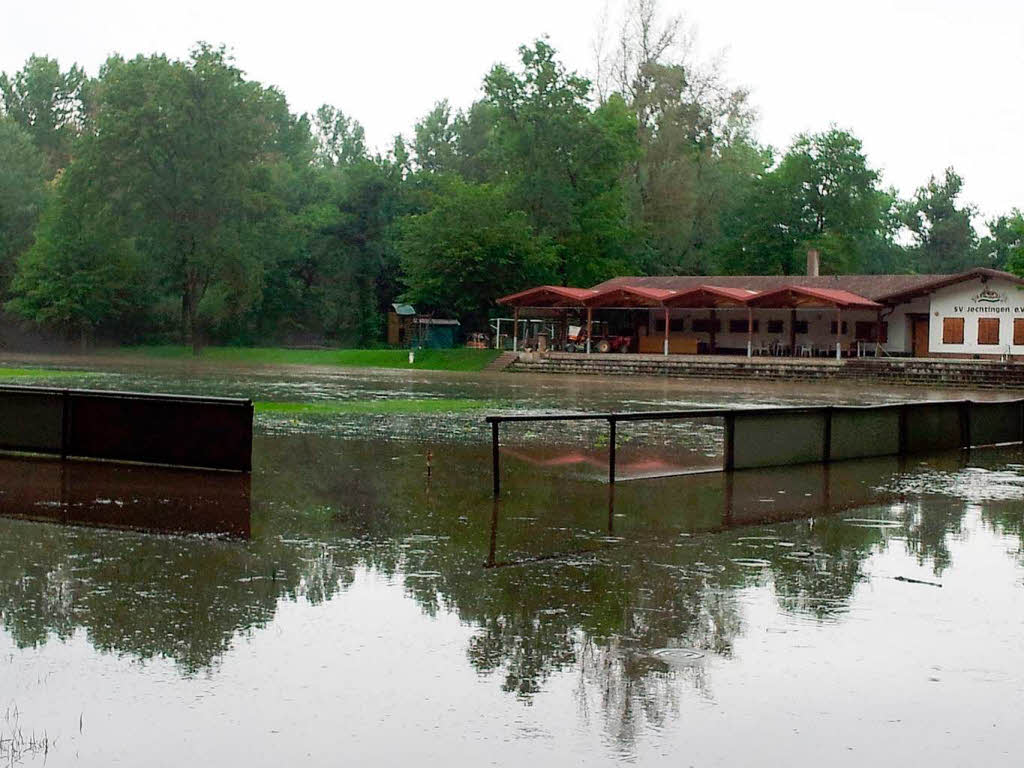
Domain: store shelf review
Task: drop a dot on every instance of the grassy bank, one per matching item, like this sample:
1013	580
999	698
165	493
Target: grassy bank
381	406
426	359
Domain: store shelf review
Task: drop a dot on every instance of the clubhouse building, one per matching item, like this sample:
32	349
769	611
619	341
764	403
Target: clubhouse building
971	315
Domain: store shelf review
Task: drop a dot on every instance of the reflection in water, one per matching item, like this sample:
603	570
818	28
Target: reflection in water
134	497
639	595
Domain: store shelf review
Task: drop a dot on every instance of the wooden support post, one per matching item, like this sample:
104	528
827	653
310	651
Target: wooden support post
611	451
590	326
711	344
666	332
878	334
515	330
492	548
792	332
65	423
750	332
495	463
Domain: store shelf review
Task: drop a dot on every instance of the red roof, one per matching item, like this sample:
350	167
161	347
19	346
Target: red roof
629	296
548	296
798	295
710	296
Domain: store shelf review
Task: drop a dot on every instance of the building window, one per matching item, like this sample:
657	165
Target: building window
1018	331
740	326
952	330
801	326
865	330
832	328
775	326
703	325
988	330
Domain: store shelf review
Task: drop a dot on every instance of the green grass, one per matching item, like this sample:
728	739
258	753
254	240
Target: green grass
39	373
426	359
384	406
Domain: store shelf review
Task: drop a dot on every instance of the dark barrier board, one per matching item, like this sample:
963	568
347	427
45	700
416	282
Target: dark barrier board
203	432
859	433
994	423
933	427
772	439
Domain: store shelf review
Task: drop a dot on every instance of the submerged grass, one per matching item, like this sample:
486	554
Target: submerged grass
426	359
39	373
382	406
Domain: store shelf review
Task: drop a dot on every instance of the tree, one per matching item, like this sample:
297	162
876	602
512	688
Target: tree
340	140
566	163
22	194
822	195
469	249
943	232
1004	247
81	273
47	103
180	148
435	142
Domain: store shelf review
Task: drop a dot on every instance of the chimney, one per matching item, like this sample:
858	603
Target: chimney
813	262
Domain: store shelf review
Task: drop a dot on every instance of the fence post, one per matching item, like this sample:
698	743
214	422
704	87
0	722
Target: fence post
495	466
965	424
65	423
729	445
902	441
826	447
611	451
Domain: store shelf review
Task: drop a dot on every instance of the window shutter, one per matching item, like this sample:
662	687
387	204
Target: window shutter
988	330
1018	331
952	330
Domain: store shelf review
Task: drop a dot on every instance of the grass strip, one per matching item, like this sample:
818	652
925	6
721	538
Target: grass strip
40	373
426	359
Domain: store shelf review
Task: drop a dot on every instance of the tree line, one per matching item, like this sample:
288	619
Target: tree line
172	199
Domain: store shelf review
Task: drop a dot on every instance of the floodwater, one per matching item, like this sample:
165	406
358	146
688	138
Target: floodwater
345	607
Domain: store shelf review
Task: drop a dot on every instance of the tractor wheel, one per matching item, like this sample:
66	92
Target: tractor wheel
604	346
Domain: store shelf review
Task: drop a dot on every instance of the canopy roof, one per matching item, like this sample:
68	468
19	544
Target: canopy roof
629	296
548	296
796	296
710	296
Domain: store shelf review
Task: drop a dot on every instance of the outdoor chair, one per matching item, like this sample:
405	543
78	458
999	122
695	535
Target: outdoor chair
805	350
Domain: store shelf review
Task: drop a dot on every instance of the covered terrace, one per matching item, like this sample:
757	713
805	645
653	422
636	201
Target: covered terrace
787	321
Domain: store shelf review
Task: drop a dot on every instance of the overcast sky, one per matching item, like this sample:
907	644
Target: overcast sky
924	83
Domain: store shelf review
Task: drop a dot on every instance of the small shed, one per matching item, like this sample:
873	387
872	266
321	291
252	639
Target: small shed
401	325
436	333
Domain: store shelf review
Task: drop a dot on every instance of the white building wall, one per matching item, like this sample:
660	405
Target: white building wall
900	339
972	300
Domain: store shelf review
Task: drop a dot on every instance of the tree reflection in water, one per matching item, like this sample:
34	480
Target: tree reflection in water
637	592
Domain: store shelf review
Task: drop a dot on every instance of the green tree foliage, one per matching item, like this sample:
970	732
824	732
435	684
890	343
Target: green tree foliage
82	272
181	149
823	195
1004	246
565	163
943	230
468	249
340	140
22	194
48	104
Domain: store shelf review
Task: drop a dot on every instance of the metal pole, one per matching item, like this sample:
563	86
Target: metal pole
611	451
590	326
515	331
839	331
666	331
495	467
497	335
750	332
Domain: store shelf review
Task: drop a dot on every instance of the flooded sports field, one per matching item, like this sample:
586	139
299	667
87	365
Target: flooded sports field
362	600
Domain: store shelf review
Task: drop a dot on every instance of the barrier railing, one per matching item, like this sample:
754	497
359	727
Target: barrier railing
783	436
177	430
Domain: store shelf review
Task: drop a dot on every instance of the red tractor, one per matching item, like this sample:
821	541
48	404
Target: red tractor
602	339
